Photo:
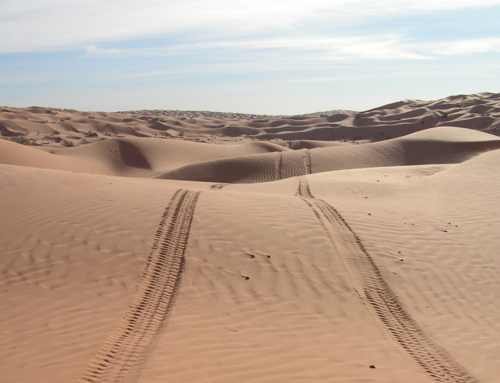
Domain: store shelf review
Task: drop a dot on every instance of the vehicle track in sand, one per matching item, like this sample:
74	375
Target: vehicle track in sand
307	162
218	186
377	296
279	165
121	357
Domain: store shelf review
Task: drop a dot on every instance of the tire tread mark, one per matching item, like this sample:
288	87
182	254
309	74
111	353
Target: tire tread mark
378	297
121	356
307	162
218	186
279	165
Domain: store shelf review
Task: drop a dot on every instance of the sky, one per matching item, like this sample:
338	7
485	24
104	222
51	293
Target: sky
250	56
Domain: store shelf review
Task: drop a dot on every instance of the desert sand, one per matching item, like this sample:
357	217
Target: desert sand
168	246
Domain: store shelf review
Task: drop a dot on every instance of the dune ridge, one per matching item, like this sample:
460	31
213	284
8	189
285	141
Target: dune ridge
437	145
50	126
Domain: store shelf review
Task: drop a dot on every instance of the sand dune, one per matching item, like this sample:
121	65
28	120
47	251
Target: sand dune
432	146
49	126
126	156
185	247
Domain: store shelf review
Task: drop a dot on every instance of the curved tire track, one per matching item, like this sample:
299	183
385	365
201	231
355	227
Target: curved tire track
378	297
121	356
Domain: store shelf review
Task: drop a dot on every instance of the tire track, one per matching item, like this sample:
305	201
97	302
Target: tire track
279	165
378	297
218	186
122	355
307	162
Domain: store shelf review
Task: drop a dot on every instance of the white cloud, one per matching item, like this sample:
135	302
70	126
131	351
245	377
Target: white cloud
389	47
94	50
462	47
487	75
40	25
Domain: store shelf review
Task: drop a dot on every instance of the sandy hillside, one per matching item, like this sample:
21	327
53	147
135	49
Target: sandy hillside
155	246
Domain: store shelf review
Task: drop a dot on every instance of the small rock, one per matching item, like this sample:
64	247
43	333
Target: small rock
372	366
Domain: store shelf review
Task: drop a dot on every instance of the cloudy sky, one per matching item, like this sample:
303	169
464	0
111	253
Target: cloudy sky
251	56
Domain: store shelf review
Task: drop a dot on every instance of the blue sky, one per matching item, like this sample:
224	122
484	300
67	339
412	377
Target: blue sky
265	57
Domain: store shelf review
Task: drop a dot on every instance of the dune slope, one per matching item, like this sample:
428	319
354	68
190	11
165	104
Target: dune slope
437	145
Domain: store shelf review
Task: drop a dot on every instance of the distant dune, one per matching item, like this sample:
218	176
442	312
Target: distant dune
50	126
155	246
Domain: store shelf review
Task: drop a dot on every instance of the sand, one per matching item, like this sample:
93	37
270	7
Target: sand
200	247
